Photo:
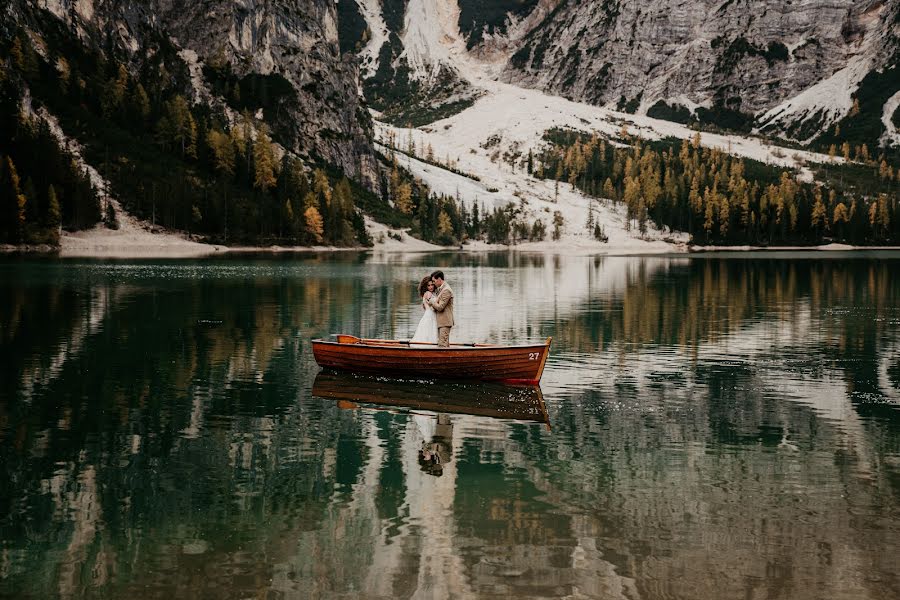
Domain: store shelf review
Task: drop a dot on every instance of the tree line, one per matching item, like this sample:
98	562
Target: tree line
445	220
719	198
42	189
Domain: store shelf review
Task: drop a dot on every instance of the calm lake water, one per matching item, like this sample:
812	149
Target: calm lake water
721	426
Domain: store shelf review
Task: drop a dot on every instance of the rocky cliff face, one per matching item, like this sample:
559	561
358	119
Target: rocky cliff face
745	55
288	50
796	68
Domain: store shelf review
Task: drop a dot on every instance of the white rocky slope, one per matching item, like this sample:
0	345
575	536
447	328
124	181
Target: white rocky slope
507	119
788	67
702	48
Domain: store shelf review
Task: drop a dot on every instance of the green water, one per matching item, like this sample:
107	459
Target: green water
719	427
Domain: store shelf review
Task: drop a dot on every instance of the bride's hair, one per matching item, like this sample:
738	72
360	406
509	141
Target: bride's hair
423	285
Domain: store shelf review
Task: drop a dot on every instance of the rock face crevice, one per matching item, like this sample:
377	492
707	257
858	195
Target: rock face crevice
746	55
319	113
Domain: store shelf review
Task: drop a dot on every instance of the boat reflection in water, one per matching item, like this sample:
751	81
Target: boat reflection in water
524	403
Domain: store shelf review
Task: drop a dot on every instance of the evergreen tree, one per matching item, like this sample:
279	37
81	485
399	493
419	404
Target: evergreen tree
14	203
445	228
558	223
54	216
819	219
314	225
263	162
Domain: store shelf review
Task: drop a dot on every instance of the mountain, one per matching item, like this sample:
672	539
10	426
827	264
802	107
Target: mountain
267	122
788	68
206	117
621	126
287	53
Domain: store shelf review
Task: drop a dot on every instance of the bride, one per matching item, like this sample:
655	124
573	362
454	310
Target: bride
427	331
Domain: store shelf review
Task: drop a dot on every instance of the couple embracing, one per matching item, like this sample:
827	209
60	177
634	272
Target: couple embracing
437	301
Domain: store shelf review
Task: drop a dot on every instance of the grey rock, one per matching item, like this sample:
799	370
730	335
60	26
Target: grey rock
749	55
295	39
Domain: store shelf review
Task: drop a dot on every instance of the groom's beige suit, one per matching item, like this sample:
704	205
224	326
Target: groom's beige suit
442	302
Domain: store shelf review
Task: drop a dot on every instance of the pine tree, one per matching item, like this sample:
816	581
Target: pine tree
222	147
15	203
140	102
15	53
110	219
322	187
841	215
114	96
558	222
314	226
177	126
819	218
608	190
445	227
338	227
264	162
403	199
54	216
709	211
884	219
743	200
632	198
694	198
724	216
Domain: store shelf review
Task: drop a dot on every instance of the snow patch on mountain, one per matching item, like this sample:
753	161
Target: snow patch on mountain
431	33
829	100
378	32
500	184
891	136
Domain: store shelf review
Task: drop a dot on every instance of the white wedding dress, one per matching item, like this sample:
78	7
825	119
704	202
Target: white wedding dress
427	331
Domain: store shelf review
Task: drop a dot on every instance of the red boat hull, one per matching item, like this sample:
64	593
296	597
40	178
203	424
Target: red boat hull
507	364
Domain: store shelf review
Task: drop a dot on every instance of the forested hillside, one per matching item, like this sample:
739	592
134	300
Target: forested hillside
215	168
721	199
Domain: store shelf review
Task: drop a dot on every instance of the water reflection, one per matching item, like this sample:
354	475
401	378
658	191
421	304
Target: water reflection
721	428
525	403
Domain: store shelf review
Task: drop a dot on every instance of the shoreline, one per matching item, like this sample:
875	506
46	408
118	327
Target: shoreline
833	247
190	249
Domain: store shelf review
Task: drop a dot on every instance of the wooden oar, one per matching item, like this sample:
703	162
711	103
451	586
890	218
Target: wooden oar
343	338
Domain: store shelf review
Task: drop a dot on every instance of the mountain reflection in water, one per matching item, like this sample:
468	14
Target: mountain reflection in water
722	427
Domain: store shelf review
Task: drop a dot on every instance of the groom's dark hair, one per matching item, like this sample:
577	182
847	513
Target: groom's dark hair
437	275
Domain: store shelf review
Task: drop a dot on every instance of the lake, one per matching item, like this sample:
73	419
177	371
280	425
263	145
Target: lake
708	426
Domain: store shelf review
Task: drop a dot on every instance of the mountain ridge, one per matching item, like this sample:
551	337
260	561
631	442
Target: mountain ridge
719	63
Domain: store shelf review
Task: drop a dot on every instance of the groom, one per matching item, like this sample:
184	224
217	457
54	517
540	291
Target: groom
442	302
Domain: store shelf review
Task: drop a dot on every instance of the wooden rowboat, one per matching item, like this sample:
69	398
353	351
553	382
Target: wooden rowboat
399	358
522	403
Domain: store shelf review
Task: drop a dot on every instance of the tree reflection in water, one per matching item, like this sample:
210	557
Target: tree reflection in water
722	427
